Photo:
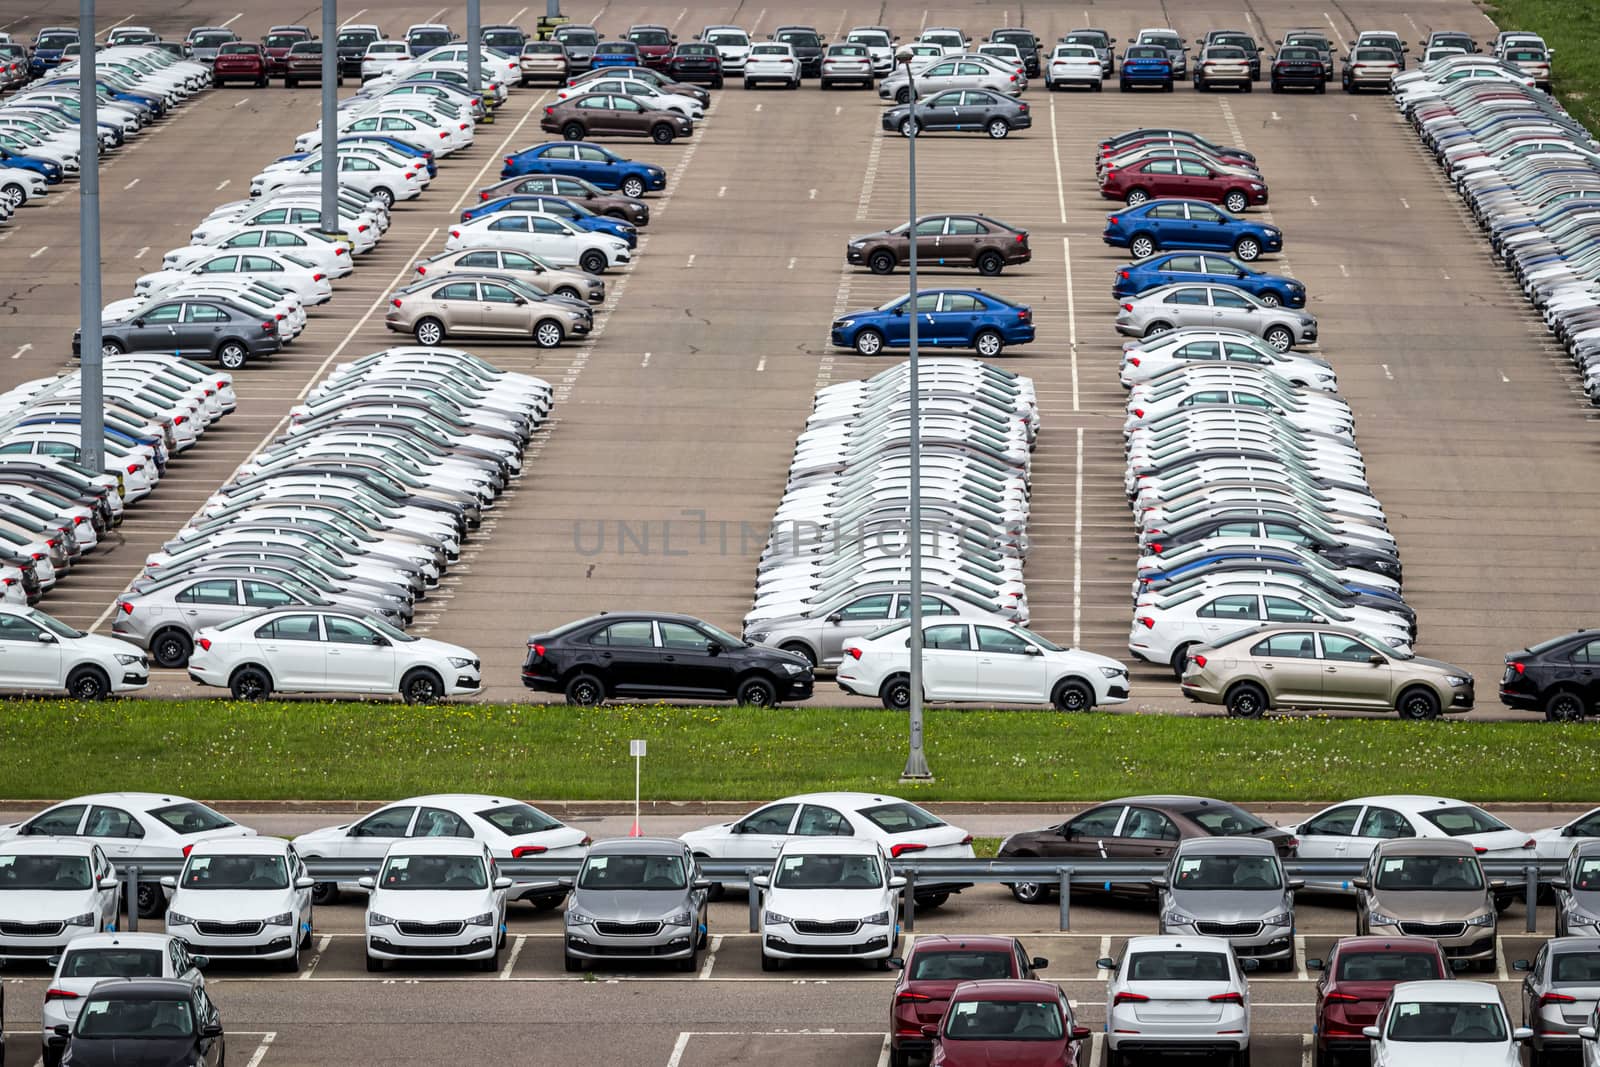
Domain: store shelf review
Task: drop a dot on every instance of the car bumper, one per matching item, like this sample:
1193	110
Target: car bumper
1308	79
673	942
14	947
272	943
868	943
1147	1044
475	943
1270	943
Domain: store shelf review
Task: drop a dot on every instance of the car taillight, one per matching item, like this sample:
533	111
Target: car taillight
60	994
1519	668
907	996
1127	307
1199	661
509	161
1129	998
190	848
967	840
466	216
77	520
1147	622
527	850
1479	849
179	420
395	301
127	608
37	556
1133	361
446	133
361	228
1021	107
536	649
1226	998
205	645
134	468
1556	998
1530	843
1013	77
318	277
1112	219
1138	413
280	318
455	233
269	326
902	849
341	251
1123	274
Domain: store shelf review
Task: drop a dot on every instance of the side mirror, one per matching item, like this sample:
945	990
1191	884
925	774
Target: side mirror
837	616
701	884
1558	883
1497	883
305	883
1460	966
53	961
896	962
200	962
1587	1033
1521	1033
1038	963
1106	963
1522	965
1371	1033
1160	881
762	881
520	301
57	1038
1296	884
897	882
380	641
1360	883
1080	1033
138	322
1250	965
502	882
210	1031
900	310
1376	660
169	882
713	648
930	1031
1314	964
1031	650
366	881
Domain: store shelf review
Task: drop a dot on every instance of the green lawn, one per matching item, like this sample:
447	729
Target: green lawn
1572	28
227	750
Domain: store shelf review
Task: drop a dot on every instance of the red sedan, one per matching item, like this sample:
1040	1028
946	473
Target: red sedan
1356	981
1150	179
1008	1024
930	973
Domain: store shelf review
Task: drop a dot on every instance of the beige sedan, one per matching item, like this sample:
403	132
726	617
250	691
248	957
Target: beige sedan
529	270
462	307
1313	666
1429	888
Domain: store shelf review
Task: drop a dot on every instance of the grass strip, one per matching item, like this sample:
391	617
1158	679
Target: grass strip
303	750
1572	29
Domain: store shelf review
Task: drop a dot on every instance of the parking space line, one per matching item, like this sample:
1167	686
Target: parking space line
499	153
711	958
1105	950
232	20
511	960
883	1052
678	1048
322	946
1055	154
113	26
1300	958
261	1049
1072	320
1096	1039
1306	1050
1500	973
1077	544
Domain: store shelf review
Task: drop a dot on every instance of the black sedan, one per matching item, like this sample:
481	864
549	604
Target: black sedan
147	1021
962	110
652	656
1300	67
1560	677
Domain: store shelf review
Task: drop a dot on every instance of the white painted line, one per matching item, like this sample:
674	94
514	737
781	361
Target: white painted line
1500	974
1344	270
1306	1050
113	26
883	1053
1313	200
1105	950
131	184
1503	378
232	20
754	26
261	1049
518	15
18	353
1414	27
1275	117
678	1048
1332	24
761	365
140	254
711	958
1077	548
691	261
1300	958
723	189
1405	203
645	362
758	107
838	109
813	195
437	15
1055	154
41	250
791	262
224	184
1072	320
241	102
1387	373
322	947
1444	273
1096	1039
511	960
681	14
358	14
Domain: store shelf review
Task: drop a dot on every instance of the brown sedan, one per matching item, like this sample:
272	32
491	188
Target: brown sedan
965	241
1135	828
592	115
304	64
612	205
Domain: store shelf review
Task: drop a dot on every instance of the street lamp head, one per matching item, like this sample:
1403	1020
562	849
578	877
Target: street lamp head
904	56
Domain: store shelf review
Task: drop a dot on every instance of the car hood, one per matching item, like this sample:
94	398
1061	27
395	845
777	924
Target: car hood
1455	1053
133	1052
103	646
429	647
828	904
31	905
1228	905
629	905
431	905
231	905
1431	906
1001	1053
322	835
707	833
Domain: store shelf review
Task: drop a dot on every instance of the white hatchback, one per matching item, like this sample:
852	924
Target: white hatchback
94	958
829	898
246	898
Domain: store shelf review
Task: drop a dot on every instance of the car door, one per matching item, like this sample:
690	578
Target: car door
1378	824
595	165
1289	666
1233	311
1228	614
1009	667
114	830
1145	835
629	659
1208	227
502	311
554	241
1160	177
514	231
959	245
855	619
359	658
1189	306
818	820
458	304
1350	677
1584	670
202	328
1196	180
438	822
108	889
208	603
294	651
940	112
759	835
1090	833
949	662
30	658
1181	268
938	77
1329	834
686	658
156	329
371	837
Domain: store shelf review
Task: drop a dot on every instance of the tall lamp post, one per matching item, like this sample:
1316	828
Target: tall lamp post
916	759
91	404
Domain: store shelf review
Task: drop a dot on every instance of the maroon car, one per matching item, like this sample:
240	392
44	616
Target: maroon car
277	43
240	61
654	44
930	973
1008	1024
1356	981
1150	179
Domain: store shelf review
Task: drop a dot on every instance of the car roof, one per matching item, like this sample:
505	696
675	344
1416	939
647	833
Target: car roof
1227	846
1426	846
638	846
129	798
48	846
1587	849
466	800
842	799
143	989
121	939
1386	944
1021	989
1159	942
830	846
956	943
240	846
1446	990
1412	801
1164	800
435	846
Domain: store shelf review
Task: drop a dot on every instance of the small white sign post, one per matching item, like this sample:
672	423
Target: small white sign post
636	749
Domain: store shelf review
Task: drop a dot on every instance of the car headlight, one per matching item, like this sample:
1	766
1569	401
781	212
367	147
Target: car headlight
774	919
485	919
1257	185
858	244
1113	672
1395	642
1177	918
281	919
373	919
1486	919
86	919
459	661
126	660
758	637
1378	918
682	918
1282	918
792	668
1456	679
881	918
1325	377
845	324
578	918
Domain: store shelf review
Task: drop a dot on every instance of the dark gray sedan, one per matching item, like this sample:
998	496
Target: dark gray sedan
197	329
1560	987
963	111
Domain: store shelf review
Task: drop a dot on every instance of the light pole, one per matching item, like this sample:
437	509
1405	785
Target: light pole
916	759
91	403
330	118
474	49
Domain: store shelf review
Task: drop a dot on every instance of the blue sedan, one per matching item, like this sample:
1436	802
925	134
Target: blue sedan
1158	224
577	214
946	318
596	165
1171	267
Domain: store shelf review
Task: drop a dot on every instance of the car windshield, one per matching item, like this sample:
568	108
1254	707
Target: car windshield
1576	968
505	37
238	49
1388	967
434	872
107	1017
212	40
387	630
1298	53
191	818
1227	872
235	872
800	39
55	626
1526	55
1429	873
517	819
960	965
1447	1021
113	963
543	48
363	37
282	40
1457	822
578	38
1178	966
57	40
633	873
428	38
815	871
1147	52
653	38
1226	53
1003	1020
1374	55
871	40
901	818
1225	820
723	636
847	50
44	872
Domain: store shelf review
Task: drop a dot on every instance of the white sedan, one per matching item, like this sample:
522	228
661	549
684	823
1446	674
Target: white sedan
246	898
434	898
40	654
829	898
52	892
381	56
511	829
1425	1024
687	106
383	181
1197	346
978	661
551	238
1557	842
299	651
93	958
1177	992
281	269
326	254
1072	64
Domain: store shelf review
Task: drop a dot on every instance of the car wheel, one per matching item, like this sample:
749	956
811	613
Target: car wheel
989	343
290	83
896	693
290	964
232	355
1322	87
152	902
574	964
1246	701
898	1057
756	693
171	648
1180	659
428	331
1248	249
881	262
1270	298
1142	246
999	128
15	195
716	83
1073	695
769	963
633	188
991	263
593	261
748	84
903	95
261	82
1168	88
661	133
869	342
250	683
375	965
111	348
572	131
1247	87
491	963
1276	87
421	686
1155	329
547	334
1030	892
1122	86
908	126
799	648
690	963
324	894
1564	706
569	292
88	683
383	196
1236	201
1418	703
1136	196
1279	337
585	690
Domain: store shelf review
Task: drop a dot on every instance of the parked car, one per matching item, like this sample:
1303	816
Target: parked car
303	62
1163	224
151	1020
1235	39
960	110
202	328
543	61
243	898
593	163
965	240
1430	888
528	269
588	194
1166	177
1186	993
1009	1022
1074	64
1560	676
463	306
1221	64
820	633
1144	64
934	967
1298	68
654	44
1430	1022
637	899
553	239
1560	989
695	61
52	892
846	64
1370	68
772	63
1577	892
240	61
1354	983
92	959
1169	268
1233	888
1156	311
829	898
433	898
807	45
42	654
954	318
615	54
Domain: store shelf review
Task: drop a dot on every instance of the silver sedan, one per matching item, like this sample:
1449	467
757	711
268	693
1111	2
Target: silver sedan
1170	307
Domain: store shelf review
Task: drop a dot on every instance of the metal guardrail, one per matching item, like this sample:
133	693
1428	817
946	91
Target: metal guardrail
1082	872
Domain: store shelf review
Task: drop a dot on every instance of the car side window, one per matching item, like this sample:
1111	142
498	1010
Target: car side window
224	591
1589	653
1244	354
1194	170
252	239
465	291
349	632
1345	649
162	315
1144	824
1202	213
634	633
1588	826
1198	350
437	822
817	821
516	261
1098	822
1181	264
946	638
769	820
1195	297
994	639
964	226
961	302
1161	166
57	822
682	637
868	607
390	822
1286	646
478	259
262	595
15	628
946	100
590	155
1281	610
930	606
291	628
497	294
1382	822
548	225
1166	211
1222	298
1231	608
1336	822
111	822
204	313
510	225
